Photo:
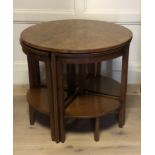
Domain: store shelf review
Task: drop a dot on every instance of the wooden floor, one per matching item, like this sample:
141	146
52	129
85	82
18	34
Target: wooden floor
35	140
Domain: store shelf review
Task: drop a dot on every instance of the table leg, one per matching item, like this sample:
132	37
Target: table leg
34	81
60	95
124	75
98	69
53	128
32	115
95	123
82	78
53	81
91	69
94	69
97	128
71	78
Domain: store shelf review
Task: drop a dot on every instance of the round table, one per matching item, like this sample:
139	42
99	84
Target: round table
82	43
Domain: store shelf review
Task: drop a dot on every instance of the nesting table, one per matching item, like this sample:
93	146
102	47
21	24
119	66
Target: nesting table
81	46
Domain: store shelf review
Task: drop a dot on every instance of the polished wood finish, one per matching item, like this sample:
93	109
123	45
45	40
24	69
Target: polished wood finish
91	69
89	58
60	88
98	69
76	36
103	85
86	106
55	96
90	106
32	115
71	79
34	72
34	81
84	43
95	124
123	89
51	102
97	128
82	78
38	99
82	107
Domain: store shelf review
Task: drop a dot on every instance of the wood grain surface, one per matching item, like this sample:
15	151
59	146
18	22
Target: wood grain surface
76	36
82	106
89	106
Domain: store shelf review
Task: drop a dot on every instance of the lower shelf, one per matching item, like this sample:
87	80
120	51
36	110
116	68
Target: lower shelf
89	106
85	106
103	85
38	99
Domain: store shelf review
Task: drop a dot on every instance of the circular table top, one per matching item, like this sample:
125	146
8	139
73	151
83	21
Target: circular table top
76	36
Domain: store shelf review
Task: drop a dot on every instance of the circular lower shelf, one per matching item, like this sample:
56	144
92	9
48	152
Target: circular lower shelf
38	99
84	106
103	85
89	106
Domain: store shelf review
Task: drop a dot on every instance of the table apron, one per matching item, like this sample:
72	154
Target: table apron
91	58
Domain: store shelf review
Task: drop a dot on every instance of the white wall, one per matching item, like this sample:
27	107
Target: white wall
124	12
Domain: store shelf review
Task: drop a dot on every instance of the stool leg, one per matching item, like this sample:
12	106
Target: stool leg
60	87
52	95
71	78
121	116
91	69
82	78
34	81
34	71
94	69
32	115
97	129
98	69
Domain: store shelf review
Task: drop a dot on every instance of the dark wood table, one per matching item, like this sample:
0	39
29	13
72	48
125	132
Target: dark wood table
82	45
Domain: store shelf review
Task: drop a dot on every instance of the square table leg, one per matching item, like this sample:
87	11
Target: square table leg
52	114
71	78
60	97
123	89
34	82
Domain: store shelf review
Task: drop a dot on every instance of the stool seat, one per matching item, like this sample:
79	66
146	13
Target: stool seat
90	106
